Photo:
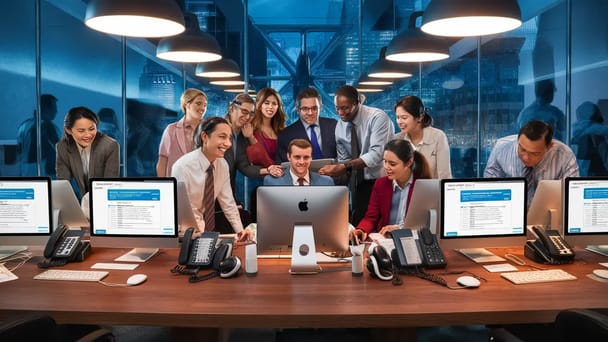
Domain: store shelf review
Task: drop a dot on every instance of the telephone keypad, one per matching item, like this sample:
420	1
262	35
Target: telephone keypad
66	247
202	249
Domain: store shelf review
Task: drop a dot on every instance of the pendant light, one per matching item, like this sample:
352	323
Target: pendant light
219	69
413	45
228	81
135	18
192	46
376	82
466	18
383	68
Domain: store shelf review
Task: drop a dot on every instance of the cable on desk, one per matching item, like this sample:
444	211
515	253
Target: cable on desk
14	262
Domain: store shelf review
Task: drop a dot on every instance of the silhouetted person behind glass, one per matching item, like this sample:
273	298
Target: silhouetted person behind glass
108	123
28	143
542	110
590	135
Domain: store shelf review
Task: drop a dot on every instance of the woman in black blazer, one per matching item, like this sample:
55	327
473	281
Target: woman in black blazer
83	152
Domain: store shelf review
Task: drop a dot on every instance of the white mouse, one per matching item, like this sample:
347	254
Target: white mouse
468	281
136	279
601	273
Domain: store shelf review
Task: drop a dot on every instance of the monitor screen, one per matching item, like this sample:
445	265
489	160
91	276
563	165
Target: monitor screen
586	211
133	212
423	209
546	206
487	212
280	208
26	215
65	202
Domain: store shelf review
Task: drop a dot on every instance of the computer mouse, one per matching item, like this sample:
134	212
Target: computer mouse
601	273
136	279
468	281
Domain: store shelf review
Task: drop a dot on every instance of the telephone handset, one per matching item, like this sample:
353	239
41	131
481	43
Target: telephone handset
65	245
418	249
549	247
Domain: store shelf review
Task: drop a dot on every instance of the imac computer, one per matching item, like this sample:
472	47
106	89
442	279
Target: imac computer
26	214
546	207
586	211
308	218
66	206
483	212
423	210
134	212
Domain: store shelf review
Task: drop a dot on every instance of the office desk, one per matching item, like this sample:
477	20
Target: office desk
274	298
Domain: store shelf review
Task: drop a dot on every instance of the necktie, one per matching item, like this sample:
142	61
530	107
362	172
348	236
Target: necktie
316	149
301	181
209	201
531	181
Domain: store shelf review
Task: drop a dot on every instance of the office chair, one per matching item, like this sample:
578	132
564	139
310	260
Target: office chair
582	325
44	328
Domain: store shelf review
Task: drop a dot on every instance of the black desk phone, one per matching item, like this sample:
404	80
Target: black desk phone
421	251
549	247
65	245
203	252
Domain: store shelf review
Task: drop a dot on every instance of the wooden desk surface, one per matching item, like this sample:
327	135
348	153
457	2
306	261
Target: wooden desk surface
274	298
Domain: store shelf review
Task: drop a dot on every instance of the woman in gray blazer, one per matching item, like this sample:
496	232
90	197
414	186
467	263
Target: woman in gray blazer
83	152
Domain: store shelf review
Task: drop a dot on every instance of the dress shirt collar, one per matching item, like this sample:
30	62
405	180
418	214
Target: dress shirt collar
294	178
407	184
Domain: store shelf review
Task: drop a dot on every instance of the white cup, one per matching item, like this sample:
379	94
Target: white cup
357	260
251	259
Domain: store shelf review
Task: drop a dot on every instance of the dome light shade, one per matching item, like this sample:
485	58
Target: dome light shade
229	82
192	46
367	81
218	69
467	18
135	18
414	45
383	68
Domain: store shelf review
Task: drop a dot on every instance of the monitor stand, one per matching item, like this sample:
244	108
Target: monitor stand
303	252
138	255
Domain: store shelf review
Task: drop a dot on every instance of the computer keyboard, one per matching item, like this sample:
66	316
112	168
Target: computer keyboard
71	275
529	277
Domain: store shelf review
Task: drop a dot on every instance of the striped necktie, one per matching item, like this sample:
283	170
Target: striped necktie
209	201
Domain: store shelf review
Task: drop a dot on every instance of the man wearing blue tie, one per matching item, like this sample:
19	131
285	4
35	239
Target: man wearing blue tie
317	130
299	154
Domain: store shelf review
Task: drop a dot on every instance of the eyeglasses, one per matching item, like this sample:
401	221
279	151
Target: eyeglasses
243	110
314	109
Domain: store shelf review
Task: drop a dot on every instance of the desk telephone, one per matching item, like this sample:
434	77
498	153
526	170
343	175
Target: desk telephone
549	247
65	245
205	251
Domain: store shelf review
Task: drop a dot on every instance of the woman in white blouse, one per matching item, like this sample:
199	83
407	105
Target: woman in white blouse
415	123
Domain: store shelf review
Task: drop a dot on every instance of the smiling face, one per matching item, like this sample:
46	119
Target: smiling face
84	132
241	114
406	121
217	142
346	108
195	109
270	106
309	109
396	169
300	160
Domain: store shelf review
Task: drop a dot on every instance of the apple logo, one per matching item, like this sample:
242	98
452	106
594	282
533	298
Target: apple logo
303	205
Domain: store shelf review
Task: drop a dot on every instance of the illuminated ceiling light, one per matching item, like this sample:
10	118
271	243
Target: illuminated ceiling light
250	91
413	45
387	69
369	90
135	18
218	69
228	82
468	18
367	81
192	46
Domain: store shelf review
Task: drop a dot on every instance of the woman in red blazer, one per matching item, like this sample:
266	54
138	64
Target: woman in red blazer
403	166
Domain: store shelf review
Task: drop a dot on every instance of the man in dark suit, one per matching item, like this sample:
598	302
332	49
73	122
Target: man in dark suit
317	130
299	153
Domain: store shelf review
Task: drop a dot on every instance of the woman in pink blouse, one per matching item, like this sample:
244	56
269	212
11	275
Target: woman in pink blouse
177	138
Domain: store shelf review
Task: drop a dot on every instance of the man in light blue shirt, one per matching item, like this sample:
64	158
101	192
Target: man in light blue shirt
534	154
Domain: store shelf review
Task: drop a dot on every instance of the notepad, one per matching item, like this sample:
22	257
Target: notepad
480	255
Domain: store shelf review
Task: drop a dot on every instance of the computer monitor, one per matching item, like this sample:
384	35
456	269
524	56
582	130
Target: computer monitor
287	211
26	214
483	212
423	210
134	212
546	206
586	211
67	205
